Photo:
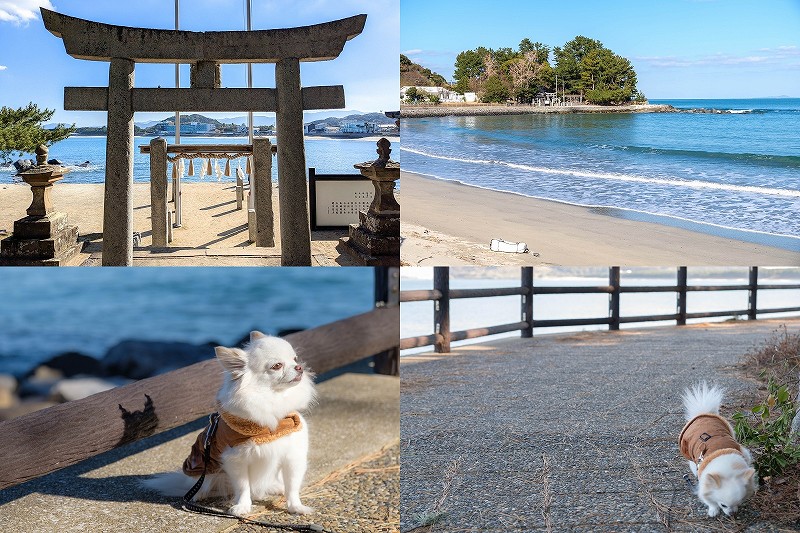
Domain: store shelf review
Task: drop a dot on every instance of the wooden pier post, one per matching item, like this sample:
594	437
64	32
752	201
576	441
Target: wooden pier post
441	309
613	298
682	303
752	294
527	302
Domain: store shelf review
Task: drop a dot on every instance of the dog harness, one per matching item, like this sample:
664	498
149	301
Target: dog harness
706	437
233	431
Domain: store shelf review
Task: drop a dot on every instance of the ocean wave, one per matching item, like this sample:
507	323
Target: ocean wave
783	161
693	184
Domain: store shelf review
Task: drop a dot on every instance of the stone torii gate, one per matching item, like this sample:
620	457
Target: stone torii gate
123	47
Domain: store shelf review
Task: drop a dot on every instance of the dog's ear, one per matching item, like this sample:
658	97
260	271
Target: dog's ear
748	474
256	335
233	360
715	480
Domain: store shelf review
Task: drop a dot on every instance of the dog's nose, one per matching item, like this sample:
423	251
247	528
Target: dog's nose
298	368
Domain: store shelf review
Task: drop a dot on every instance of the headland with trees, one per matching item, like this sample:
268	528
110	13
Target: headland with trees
583	75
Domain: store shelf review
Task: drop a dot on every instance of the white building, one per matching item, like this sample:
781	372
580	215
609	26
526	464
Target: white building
445	95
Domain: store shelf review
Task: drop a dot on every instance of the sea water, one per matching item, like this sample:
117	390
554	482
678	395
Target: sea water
85	158
50	311
416	318
736	170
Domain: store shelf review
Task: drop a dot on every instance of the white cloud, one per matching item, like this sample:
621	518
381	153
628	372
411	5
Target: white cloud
3	67
21	11
773	56
412	52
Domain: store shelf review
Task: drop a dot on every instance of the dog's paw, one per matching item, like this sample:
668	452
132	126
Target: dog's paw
240	509
299	508
713	511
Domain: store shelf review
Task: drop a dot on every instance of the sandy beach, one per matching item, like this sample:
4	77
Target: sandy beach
213	233
448	223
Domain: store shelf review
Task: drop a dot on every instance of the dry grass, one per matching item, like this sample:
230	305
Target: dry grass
778	498
779	358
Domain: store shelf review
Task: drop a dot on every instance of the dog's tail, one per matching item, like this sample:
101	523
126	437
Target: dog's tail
702	399
169	483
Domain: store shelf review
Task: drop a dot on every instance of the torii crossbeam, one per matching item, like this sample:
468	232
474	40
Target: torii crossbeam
123	47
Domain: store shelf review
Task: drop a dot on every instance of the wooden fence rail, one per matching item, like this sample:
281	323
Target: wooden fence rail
51	439
442	294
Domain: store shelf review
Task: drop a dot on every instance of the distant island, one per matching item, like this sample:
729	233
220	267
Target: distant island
350	126
585	72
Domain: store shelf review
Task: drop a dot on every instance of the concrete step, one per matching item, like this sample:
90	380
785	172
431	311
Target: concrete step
354	427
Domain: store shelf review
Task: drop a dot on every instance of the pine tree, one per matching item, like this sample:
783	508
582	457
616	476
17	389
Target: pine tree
21	129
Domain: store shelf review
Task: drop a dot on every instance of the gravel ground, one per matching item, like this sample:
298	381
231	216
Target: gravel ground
360	498
565	432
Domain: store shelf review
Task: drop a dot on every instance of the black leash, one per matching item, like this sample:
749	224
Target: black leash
190	506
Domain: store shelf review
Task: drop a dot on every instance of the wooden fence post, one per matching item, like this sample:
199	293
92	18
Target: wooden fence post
752	306
683	276
613	298
527	302
387	294
441	308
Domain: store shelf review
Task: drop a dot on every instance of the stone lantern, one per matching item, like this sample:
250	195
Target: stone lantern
43	238
375	241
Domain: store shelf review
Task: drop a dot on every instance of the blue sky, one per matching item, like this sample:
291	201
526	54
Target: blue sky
680	48
35	67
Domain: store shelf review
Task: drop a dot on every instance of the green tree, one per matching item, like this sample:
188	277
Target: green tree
21	129
469	69
412	95
568	59
494	90
405	61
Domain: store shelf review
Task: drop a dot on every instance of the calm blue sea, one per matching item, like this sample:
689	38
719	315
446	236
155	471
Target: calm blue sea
709	172
49	311
328	156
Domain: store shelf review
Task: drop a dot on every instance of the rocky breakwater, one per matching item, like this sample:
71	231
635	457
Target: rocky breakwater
72	376
445	110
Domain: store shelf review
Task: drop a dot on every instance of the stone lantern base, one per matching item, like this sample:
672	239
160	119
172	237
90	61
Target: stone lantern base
373	242
40	241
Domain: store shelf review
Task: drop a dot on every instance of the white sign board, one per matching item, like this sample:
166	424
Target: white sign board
336	200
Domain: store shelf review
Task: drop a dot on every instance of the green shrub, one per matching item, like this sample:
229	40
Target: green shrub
766	430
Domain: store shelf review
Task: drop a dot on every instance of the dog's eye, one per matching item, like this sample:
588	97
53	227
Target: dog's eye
723	506
277	366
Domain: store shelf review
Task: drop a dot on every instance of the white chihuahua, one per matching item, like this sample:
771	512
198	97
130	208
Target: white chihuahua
723	467
260	445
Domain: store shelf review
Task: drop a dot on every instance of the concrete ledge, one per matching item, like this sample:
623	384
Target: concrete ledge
356	416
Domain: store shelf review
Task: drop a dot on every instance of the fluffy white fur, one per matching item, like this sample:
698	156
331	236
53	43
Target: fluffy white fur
264	383
728	480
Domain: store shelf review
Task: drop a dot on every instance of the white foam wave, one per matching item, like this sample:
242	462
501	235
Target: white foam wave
693	184
739	111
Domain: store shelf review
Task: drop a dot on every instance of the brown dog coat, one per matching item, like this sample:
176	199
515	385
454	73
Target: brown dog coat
706	437
233	431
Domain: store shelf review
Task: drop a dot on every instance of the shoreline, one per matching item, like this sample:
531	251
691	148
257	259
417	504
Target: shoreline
459	110
457	231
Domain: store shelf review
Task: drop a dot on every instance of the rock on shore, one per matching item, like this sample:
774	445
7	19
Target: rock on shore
489	110
72	375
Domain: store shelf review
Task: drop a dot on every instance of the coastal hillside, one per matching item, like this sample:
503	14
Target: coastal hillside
581	71
414	75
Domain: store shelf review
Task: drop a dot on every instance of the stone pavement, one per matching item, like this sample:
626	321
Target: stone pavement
352	482
572	432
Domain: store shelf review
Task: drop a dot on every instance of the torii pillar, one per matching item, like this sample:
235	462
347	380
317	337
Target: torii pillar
123	47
